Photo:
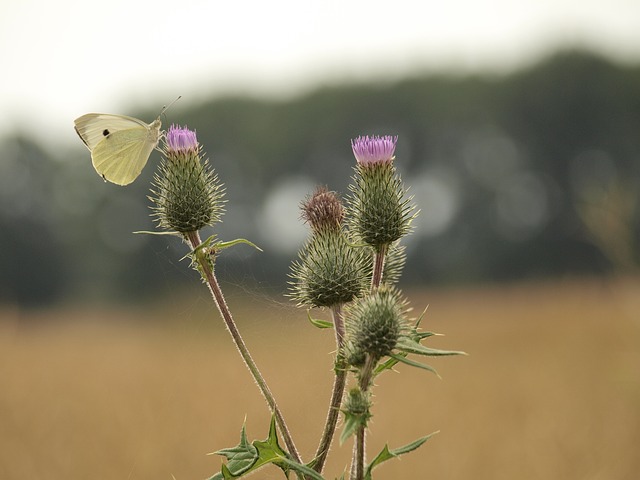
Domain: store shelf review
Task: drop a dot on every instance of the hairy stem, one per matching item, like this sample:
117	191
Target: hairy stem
359	450
207	272
337	394
357	462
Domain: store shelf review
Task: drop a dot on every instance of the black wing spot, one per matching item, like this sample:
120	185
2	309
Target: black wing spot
106	132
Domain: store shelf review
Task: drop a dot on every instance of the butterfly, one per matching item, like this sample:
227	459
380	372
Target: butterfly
120	146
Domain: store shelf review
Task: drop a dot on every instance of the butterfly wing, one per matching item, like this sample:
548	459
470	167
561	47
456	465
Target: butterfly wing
121	156
120	146
94	127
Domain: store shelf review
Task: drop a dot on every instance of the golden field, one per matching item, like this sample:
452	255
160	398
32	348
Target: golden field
550	389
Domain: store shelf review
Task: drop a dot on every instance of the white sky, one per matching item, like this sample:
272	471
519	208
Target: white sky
62	58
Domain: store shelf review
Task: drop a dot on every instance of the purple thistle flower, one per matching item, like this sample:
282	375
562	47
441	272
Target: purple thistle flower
180	139
375	149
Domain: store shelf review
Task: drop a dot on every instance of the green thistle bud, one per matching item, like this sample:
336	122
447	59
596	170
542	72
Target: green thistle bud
357	412
186	191
330	271
379	208
358	403
374	325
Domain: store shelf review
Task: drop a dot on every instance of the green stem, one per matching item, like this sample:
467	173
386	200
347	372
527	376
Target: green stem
337	394
364	382
366	374
207	272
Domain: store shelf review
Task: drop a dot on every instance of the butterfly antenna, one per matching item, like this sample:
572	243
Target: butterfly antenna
166	107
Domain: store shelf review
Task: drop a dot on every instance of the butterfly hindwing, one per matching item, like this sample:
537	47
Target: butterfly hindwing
121	156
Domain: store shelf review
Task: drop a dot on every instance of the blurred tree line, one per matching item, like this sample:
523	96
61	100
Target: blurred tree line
532	174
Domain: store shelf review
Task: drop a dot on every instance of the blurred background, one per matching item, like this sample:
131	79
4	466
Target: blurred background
519	137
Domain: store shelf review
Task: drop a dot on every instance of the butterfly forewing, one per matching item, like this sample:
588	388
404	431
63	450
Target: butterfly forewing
94	127
120	146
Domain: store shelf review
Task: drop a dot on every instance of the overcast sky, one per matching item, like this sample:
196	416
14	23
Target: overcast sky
60	59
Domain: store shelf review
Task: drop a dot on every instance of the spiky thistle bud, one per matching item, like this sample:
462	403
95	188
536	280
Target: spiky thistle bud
186	191
323	210
380	211
329	271
374	325
357	412
357	402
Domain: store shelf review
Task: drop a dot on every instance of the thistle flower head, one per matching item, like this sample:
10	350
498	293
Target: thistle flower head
379	209
374	149
181	139
186	191
323	210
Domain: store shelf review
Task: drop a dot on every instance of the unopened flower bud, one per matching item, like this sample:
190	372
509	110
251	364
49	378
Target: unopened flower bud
323	210
374	325
357	403
329	271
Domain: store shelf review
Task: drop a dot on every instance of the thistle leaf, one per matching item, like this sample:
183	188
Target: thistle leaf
351	425
413	363
409	345
239	458
246	457
231	243
387	454
319	323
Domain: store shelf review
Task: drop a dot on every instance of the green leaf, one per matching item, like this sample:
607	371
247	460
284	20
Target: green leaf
166	232
386	365
212	246
319	323
247	457
352	422
413	363
387	454
409	345
231	243
422	335
269	449
241	457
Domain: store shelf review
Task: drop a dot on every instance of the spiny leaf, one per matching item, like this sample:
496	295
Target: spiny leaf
241	457
352	422
413	363
387	364
409	345
387	454
422	335
247	457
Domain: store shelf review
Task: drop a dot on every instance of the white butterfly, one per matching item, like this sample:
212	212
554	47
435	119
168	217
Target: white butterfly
120	146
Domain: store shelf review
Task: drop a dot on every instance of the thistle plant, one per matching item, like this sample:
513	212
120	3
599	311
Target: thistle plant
348	265
187	197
